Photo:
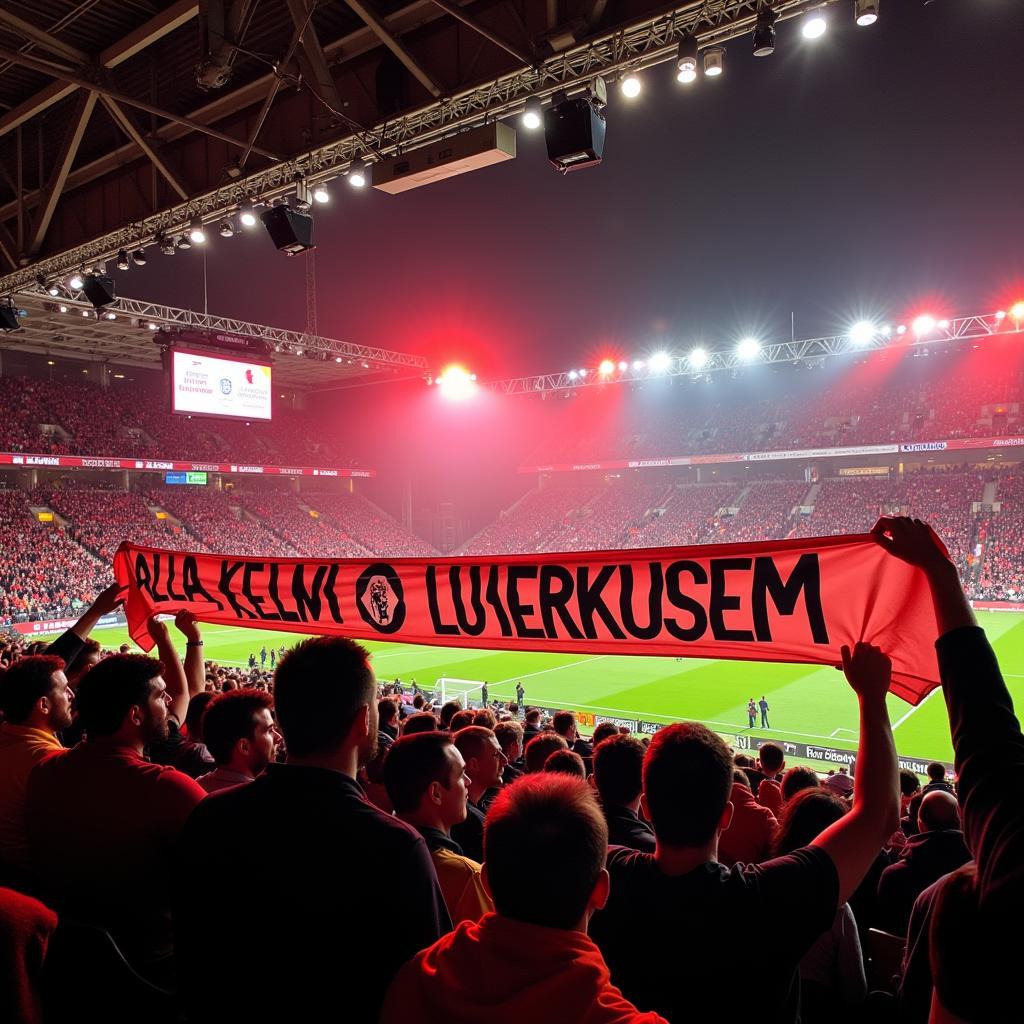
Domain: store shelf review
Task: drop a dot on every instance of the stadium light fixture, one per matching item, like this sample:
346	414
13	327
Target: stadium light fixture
862	332
686	61
924	324
943	325
457	384
714	61
748	349
573	375
357	174
183	243
196	232
698	358
866	12
532	114
1017	311
122	260
814	26
139	257
630	85
227	228
247	215
1000	315
320	194
764	33
660	362
623	366
607	368
902	329
75	281
62	308
638	364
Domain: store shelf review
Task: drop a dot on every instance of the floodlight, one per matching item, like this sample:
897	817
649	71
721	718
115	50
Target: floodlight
75	281
122	260
227	229
196	233
532	114
1017	311
686	60
1000	314
660	362
814	26
764	33
357	174
457	384
573	375
866	12
638	364
623	366
630	85
606	368
183	243
139	257
862	332
320	194
714	61
924	324
748	349
246	214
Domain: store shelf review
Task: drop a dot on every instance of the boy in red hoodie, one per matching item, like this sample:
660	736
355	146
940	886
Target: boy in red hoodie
532	960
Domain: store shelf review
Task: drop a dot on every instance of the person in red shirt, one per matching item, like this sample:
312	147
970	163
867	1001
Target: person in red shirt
102	820
532	960
749	837
771	762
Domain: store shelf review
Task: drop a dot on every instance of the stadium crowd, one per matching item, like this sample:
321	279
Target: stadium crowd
408	863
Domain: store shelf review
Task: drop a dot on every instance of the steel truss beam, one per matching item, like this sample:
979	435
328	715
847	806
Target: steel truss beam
968	328
648	43
283	340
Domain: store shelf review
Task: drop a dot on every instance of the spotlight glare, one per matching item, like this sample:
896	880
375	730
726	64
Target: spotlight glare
573	375
866	12
357	174
75	282
686	61
151	326
630	85
583	373
532	114
862	332
196	232
53	289
748	349
62	308
457	384
714	61
623	366
1017	311
660	362
109	315
638	364
321	195
606	368
902	329
246	215
924	324
1000	314
697	358
814	26
887	330
942	325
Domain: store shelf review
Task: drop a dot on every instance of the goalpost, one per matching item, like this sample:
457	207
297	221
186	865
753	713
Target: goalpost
468	692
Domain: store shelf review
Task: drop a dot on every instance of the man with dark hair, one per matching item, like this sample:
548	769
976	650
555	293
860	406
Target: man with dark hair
531	725
461	720
602	731
102	820
510	739
241	735
448	711
564	724
763	705
532	960
387	716
797	778
485	762
540	748
303	840
683	891
618	778
749	837
484	695
567	762
772	763
422	721
36	703
520	693
426	779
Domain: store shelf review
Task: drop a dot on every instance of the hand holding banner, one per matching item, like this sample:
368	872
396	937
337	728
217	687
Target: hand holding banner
789	601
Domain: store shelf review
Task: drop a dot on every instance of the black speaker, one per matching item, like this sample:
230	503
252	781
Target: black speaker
574	131
290	231
98	290
8	318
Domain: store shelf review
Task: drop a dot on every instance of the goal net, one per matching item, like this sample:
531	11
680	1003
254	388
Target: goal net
468	692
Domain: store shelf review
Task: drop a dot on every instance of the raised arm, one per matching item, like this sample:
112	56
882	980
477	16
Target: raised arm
174	674
69	643
195	665
855	840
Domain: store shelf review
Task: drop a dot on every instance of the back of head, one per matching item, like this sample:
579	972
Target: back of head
909	782
772	758
687	781
797	779
936	772
544	834
231	717
320	685
387	711
533	717
448	710
739	778
509	734
194	716
805	817
540	748
564	722
108	691
422	721
939	810
473	741
485	717
603	731
412	764
24	683
568	762
618	770
461	719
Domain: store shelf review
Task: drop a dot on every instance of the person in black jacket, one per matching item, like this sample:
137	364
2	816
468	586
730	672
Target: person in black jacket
618	777
975	912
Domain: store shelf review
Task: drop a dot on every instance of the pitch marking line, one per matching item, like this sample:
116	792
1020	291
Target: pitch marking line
903	718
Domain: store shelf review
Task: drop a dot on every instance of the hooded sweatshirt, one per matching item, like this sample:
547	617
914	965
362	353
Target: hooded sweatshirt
504	971
925	859
749	837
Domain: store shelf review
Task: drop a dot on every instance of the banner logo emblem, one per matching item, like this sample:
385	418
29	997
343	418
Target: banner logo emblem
380	598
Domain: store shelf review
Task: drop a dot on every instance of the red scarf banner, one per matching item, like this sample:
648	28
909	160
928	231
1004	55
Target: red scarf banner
788	601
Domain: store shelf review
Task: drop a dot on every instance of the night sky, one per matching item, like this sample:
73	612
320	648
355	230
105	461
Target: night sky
864	173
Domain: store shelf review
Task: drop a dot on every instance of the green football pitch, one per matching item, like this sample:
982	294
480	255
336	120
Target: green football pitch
808	704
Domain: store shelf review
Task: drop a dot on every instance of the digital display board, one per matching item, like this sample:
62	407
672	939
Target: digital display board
185	478
207	385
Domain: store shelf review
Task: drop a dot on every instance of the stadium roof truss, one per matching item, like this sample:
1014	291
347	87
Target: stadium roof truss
120	121
808	350
300	360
